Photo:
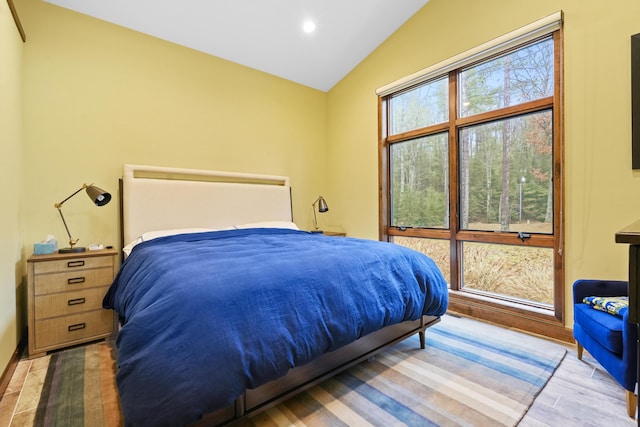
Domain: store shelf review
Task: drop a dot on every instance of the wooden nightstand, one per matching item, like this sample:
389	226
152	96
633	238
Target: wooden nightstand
65	293
334	233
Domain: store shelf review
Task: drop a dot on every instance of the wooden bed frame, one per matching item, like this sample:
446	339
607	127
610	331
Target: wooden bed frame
155	198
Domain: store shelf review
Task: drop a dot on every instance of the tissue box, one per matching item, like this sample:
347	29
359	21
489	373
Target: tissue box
44	248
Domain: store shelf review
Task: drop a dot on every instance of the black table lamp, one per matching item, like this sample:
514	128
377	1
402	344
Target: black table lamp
322	207
98	196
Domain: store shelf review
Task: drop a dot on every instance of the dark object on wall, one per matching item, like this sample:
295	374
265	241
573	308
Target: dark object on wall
635	101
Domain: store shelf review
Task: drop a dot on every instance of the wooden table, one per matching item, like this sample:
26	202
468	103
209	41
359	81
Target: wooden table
631	235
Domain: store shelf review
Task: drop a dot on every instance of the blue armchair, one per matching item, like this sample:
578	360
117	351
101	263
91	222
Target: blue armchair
610	339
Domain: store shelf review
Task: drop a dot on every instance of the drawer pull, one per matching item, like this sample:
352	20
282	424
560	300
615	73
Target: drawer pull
77	327
72	264
75	280
76	301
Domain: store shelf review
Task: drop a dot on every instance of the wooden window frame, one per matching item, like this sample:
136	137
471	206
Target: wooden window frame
506	311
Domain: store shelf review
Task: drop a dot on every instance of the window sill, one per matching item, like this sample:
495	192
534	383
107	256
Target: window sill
527	318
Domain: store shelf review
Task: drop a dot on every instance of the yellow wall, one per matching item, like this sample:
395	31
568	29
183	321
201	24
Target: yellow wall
602	191
11	266
98	96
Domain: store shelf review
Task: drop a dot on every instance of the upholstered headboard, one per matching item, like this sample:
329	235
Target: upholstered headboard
159	198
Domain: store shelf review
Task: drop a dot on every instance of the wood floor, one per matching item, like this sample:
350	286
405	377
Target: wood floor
580	393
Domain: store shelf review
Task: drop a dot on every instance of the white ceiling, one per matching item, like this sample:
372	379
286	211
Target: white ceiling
265	34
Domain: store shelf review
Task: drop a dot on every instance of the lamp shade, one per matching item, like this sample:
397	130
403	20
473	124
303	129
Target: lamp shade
98	195
322	205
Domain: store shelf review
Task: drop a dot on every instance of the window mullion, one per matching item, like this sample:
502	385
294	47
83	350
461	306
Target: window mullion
454	247
504	113
429	130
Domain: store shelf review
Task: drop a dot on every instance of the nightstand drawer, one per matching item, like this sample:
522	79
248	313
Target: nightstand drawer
73	280
78	327
71	264
69	303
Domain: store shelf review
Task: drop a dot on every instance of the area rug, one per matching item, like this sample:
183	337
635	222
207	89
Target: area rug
79	389
470	374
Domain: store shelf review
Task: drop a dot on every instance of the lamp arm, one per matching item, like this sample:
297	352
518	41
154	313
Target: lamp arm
59	205
72	241
315	220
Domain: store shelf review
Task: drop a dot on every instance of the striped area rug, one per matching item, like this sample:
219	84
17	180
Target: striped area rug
470	374
79	389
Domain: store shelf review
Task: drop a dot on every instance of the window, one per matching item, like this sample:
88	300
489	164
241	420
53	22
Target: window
505	174
419	168
470	166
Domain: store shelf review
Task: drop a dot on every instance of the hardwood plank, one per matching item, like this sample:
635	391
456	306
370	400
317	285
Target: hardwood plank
580	393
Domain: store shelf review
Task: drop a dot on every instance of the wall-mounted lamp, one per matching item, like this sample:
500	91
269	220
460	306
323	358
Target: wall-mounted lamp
322	208
98	196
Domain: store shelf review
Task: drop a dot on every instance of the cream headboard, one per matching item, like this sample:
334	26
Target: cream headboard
158	198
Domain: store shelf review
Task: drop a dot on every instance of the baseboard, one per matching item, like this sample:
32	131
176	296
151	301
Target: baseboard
11	366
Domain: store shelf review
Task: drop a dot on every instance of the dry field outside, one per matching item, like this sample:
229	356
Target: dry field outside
515	271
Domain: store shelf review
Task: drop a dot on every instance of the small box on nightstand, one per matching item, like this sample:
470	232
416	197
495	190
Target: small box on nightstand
44	248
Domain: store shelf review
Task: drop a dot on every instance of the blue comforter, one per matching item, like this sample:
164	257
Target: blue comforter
207	315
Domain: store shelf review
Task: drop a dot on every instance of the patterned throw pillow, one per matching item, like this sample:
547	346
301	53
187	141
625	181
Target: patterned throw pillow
612	305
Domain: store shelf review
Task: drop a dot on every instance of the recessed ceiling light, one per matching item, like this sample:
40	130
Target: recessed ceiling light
309	27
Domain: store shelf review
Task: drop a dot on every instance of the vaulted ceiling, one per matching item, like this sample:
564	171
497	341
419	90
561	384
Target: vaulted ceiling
266	35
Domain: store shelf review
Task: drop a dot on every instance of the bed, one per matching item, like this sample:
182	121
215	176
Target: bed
227	308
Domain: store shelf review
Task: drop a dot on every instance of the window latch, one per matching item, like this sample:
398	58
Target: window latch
522	236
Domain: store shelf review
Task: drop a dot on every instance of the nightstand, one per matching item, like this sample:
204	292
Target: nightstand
334	233
65	293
